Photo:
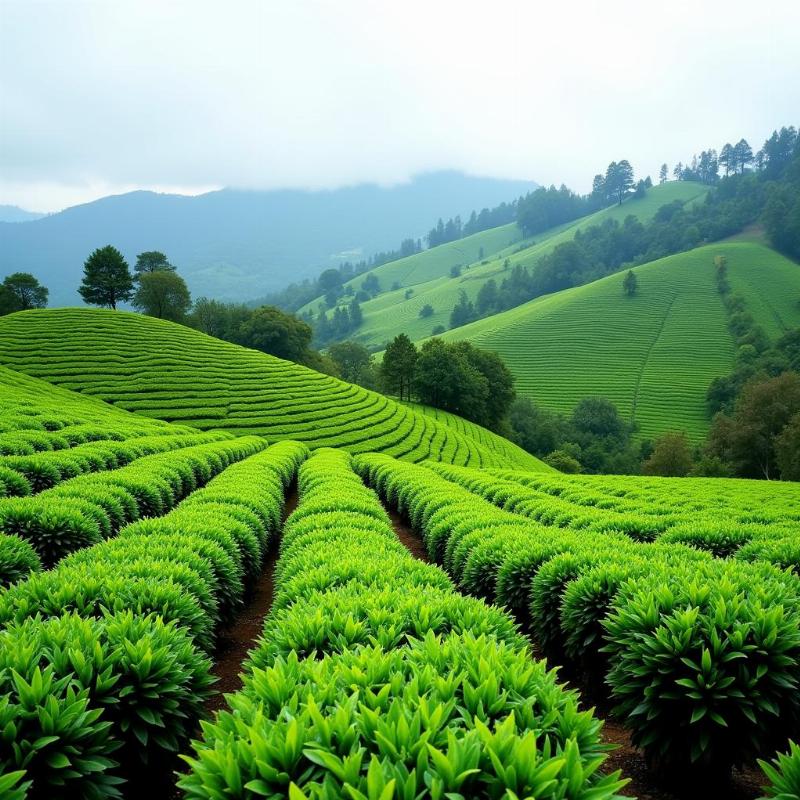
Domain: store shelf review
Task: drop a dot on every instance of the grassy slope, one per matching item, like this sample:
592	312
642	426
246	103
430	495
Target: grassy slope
428	273
170	372
22	395
653	355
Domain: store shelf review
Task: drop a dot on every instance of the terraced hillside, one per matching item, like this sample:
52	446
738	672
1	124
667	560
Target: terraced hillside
169	372
428	273
654	354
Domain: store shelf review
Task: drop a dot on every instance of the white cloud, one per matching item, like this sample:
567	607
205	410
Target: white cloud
103	95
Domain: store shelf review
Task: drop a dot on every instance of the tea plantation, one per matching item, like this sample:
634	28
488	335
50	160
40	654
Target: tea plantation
654	354
416	611
427	274
174	373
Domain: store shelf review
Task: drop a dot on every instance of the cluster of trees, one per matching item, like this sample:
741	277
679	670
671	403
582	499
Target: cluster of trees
545	208
21	291
593	439
343	321
459	378
154	287
487	218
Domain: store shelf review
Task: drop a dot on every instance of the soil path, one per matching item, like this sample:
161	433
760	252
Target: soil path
235	643
745	784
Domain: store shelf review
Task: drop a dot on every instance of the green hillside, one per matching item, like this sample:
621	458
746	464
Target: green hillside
428	273
170	372
653	355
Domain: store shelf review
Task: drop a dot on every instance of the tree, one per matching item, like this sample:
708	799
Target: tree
162	294
535	429
787	450
677	171
330	284
619	180
630	283
273	331
106	278
20	291
671	456
445	379
662	173
727	158
426	311
152	261
354	363
356	315
744	154
747	438
398	365
463	311
492	411
563	462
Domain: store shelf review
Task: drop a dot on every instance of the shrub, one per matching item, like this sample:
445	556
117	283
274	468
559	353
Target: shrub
17	559
784	775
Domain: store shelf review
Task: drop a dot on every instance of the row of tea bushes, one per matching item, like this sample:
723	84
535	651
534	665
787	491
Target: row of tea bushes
44	470
103	669
375	679
88	508
702	656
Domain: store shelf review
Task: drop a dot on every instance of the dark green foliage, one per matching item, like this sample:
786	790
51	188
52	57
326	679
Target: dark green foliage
398	366
17	559
272	331
106	278
151	261
21	291
354	362
162	294
464	380
630	283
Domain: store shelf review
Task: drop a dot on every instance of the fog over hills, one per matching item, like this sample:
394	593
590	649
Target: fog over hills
238	244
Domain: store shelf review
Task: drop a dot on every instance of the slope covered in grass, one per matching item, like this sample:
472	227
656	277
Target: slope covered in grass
166	371
654	354
427	274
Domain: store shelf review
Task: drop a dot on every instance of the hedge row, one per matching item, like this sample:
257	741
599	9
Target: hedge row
86	509
375	679
103	673
702	656
736	529
44	470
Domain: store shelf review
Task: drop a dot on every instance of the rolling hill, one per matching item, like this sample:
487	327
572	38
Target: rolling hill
428	273
237	245
654	354
169	372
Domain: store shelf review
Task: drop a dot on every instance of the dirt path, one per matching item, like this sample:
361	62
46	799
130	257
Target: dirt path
745	784
234	643
405	533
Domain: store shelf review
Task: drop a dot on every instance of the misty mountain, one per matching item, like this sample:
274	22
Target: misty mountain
17	214
237	244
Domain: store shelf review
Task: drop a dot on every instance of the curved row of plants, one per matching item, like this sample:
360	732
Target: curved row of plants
104	665
701	655
375	679
174	373
742	521
91	507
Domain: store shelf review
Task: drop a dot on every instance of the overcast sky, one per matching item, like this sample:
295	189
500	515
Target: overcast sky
103	97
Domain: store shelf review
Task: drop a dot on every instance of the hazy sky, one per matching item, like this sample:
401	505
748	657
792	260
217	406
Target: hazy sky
102	97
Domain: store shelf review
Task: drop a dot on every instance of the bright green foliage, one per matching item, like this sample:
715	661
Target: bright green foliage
429	273
706	668
131	683
784	775
643	353
375	679
146	677
177	374
702	655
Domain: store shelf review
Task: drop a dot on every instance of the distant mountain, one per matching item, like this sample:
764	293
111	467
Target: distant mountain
237	244
17	214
